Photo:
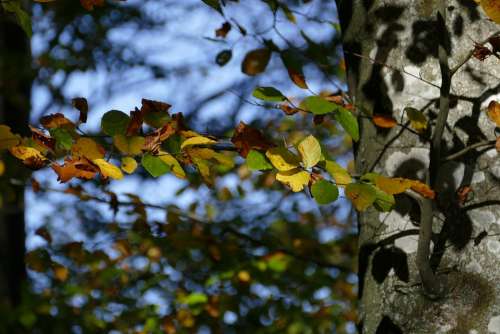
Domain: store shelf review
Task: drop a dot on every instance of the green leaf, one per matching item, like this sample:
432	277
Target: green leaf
157	119
348	122
214	4
319	106
310	151
63	138
269	94
154	165
115	122
257	161
383	201
195	298
22	16
223	57
324	192
362	195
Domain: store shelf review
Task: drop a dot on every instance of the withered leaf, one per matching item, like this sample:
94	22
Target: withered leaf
81	168
223	30
80	103
246	138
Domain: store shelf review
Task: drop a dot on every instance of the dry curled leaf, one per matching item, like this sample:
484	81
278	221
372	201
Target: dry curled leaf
246	138
223	30
80	103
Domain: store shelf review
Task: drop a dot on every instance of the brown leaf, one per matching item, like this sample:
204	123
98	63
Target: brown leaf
42	139
135	124
81	168
223	30
463	193
56	121
288	109
494	112
90	4
256	61
44	233
35	185
384	121
153	141
80	103
246	138
495	43
497	144
150	106
297	77
481	52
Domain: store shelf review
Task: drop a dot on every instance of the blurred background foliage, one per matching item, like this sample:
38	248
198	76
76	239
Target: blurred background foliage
147	255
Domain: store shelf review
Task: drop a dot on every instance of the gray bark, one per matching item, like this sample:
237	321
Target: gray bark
465	247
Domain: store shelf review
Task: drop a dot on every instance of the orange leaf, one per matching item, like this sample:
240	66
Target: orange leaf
494	112
223	30
384	121
56	121
80	168
41	138
423	189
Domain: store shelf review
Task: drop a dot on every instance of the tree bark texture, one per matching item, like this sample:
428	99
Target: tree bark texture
15	90
394	51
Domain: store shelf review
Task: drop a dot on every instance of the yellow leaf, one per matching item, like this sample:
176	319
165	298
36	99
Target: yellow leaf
492	9
129	145
282	159
392	186
296	179
61	273
418	121
494	112
87	148
310	151
362	195
7	138
423	189
175	166
24	153
199	140
2	167
128	165
108	170
339	174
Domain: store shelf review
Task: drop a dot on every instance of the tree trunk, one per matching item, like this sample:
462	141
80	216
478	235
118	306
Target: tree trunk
399	54
15	89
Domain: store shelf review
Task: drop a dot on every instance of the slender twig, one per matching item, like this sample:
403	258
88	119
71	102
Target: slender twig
470	54
465	150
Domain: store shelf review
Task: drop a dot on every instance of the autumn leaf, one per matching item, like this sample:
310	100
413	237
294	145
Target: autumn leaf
394	185
310	151
80	103
492	9
42	139
256	61
153	141
246	138
155	113
223	30
7	138
197	140
30	156
108	170
282	159
494	112
296	179
81	168
362	195
128	165
57	120
87	148
129	145
90	4
339	174
174	165
2	167
418	121
135	124
423	189
257	161
324	192
293	65
384	121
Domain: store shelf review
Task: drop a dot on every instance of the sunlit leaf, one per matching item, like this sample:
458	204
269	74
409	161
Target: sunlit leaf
80	168
310	151
108	170
30	156
173	164
492	9
282	159
154	165
362	195
296	179
339	174
129	145
394	185
324	192
198	140
57	120
88	148
318	105
384	121
269	94
383	202
128	165
256	61
494	112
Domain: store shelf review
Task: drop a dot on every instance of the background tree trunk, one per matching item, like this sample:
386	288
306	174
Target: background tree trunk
15	89
465	248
